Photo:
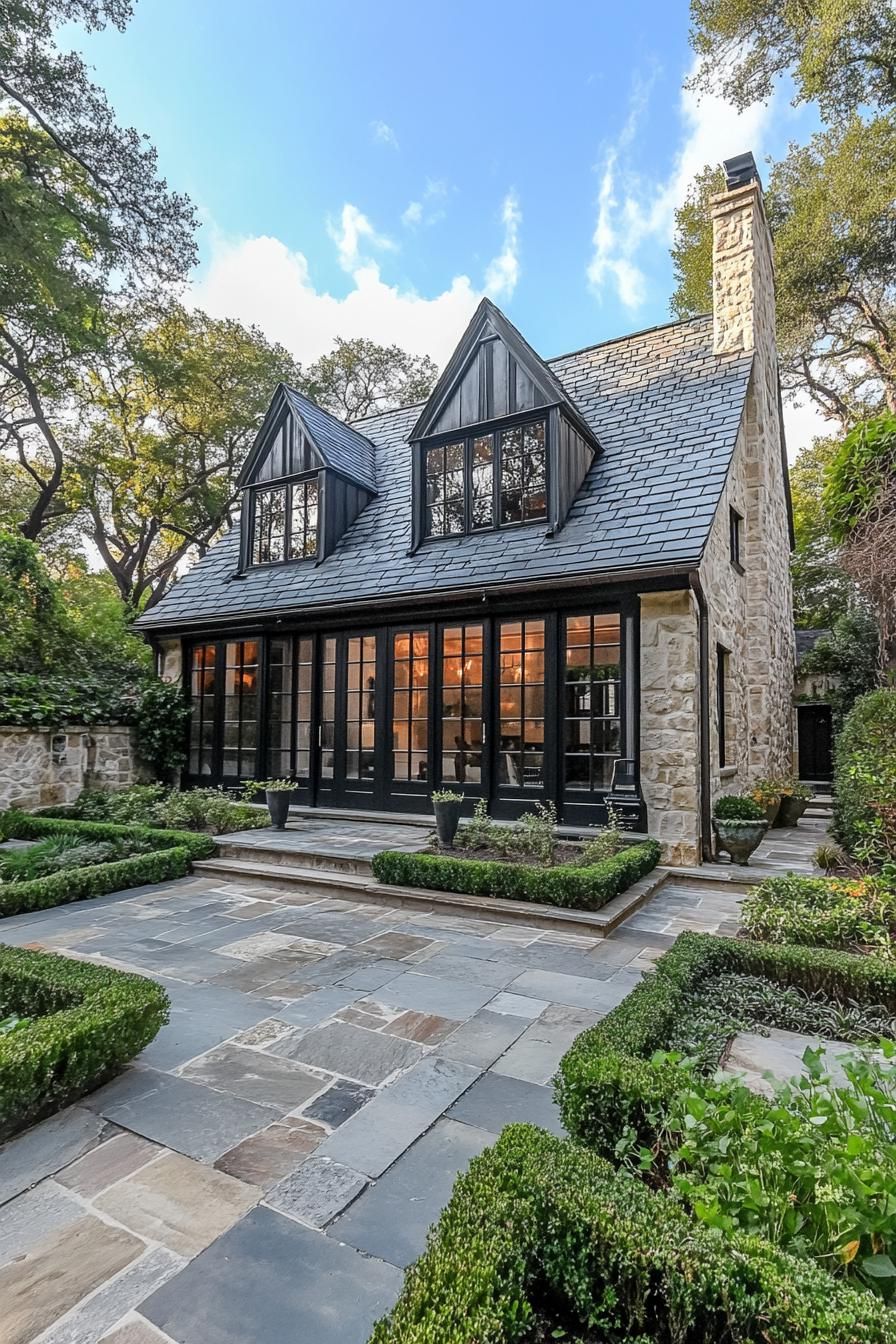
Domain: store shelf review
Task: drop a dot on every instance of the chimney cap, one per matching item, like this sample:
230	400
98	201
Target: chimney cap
740	170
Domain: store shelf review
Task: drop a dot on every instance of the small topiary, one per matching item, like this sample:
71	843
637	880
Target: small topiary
737	807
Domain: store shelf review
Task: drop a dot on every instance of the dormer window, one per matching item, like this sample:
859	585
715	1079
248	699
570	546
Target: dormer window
482	481
285	522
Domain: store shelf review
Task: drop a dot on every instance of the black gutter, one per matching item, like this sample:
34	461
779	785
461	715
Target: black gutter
706	847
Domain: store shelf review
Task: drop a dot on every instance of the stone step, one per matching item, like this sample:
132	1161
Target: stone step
294	857
358	887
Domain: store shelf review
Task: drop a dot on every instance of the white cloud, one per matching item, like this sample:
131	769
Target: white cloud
383	134
260	280
503	271
353	228
423	211
633	214
803	422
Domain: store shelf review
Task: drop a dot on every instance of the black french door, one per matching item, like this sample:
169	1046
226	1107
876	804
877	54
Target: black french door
515	709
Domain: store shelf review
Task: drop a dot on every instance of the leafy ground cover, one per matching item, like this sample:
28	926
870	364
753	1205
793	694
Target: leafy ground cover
156	805
813	1170
65	1027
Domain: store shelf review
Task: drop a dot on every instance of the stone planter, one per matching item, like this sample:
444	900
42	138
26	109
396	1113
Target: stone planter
739	838
278	805
791	810
447	822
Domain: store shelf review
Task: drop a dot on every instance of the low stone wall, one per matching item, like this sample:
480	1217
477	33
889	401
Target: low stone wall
44	767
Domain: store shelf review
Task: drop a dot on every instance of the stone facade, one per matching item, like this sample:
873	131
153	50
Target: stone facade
749	607
44	767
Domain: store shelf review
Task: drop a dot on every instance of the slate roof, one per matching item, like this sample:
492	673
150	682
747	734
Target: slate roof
342	448
806	640
666	411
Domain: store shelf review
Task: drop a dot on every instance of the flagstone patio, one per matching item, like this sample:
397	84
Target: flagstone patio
271	1162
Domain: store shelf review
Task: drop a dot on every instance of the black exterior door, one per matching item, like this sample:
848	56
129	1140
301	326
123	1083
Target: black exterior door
814	742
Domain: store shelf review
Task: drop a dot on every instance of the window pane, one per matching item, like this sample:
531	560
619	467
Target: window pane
521	735
410	709
269	541
461	709
303	524
591	701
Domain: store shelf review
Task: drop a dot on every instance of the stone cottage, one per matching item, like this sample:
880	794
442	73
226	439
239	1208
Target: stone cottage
555	580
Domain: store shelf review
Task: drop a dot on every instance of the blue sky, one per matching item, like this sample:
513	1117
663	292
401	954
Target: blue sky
372	170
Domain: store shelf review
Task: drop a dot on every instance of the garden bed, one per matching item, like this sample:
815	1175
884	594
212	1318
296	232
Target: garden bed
813	1168
169	809
543	1240
574	887
77	1026
852	914
153	856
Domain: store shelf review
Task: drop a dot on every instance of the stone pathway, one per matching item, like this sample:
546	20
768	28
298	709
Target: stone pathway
333	836
272	1161
752	1057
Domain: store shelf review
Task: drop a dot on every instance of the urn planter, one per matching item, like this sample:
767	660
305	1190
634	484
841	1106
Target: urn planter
278	806
771	811
791	810
447	821
739	838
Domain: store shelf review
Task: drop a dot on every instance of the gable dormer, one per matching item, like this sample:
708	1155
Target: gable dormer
500	442
305	480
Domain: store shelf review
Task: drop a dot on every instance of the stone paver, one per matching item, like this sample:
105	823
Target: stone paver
278	1152
752	1056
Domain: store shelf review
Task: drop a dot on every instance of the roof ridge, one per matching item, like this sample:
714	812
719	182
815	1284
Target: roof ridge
555	359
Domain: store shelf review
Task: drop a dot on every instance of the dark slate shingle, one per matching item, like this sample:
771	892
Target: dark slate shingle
666	411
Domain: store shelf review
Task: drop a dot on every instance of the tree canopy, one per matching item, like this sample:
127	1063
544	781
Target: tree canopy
108	225
359	377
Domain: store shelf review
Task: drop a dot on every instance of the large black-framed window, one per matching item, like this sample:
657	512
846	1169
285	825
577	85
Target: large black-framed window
284	521
592	701
521	702
483	480
723	706
410	705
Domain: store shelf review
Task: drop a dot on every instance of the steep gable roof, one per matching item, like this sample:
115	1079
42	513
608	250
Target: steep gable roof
666	411
487	324
336	444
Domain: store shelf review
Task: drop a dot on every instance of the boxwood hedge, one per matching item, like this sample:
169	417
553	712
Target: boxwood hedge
83	1023
567	885
606	1081
168	855
543	1239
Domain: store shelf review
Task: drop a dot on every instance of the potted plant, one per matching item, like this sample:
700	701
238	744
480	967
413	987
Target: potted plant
794	801
767	793
447	804
739	823
277	794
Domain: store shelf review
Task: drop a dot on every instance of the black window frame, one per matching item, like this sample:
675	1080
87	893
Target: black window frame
723	671
468	437
735	538
288	485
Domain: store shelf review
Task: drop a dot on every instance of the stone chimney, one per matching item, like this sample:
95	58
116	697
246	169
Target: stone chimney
743	272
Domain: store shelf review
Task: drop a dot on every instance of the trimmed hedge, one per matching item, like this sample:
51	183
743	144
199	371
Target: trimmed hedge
88	1021
169	855
574	888
850	914
541	1234
606	1081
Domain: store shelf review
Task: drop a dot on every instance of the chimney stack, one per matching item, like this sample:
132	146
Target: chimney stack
743	275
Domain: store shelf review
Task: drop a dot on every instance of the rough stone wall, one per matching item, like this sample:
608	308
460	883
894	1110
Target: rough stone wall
42	767
744	313
670	743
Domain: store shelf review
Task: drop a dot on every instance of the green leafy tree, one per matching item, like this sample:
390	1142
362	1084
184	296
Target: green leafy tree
168	414
34	627
840	53
850	655
859	471
822	591
84	216
359	377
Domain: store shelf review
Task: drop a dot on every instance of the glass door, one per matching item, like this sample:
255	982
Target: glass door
592	714
410	709
289	712
225	704
461	733
349	772
521	751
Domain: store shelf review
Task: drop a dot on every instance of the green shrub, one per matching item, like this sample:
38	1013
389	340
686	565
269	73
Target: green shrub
156	805
607	1086
542	1240
737	807
865	777
532	836
566	885
604	843
79	1025
813	1169
168	854
823	912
